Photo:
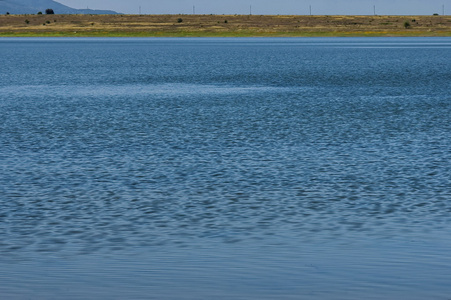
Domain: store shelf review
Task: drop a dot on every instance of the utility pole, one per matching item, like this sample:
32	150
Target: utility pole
194	10
140	10
250	9
310	7
374	9
443	9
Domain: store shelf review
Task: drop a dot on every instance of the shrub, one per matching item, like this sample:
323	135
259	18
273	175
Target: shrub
39	12
406	24
225	21
49	11
179	20
7	12
27	22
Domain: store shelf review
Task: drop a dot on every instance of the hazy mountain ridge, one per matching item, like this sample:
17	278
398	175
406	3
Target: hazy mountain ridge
34	6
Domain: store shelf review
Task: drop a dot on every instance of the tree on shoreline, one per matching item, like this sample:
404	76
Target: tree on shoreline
49	11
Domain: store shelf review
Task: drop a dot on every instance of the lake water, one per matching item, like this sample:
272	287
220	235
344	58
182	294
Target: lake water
247	168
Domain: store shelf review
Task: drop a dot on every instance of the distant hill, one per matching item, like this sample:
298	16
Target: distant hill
34	6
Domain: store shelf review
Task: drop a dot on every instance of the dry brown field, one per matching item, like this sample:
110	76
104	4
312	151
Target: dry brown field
222	25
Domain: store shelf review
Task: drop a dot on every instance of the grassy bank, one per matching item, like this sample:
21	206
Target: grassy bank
221	25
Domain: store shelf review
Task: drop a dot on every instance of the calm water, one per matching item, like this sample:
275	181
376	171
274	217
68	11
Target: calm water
225	168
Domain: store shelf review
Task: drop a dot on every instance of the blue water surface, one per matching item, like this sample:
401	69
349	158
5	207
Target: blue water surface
229	168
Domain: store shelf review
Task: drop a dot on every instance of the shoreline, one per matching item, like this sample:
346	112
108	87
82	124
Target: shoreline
222	26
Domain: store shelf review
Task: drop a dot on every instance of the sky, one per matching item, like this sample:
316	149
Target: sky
265	7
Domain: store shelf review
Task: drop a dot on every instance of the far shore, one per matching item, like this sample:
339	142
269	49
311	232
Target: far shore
221	26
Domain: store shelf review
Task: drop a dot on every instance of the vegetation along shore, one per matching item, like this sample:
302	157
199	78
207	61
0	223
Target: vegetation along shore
221	25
